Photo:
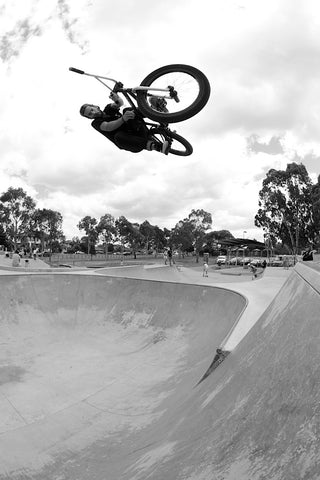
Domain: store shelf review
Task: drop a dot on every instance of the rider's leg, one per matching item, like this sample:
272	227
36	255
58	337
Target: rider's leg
132	143
136	143
138	127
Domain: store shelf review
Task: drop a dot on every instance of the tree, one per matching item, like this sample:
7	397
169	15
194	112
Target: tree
212	239
159	238
47	226
154	236
3	238
201	222
182	236
285	206
189	234
128	234
88	224
16	209
315	197
148	232
106	227
167	235
74	245
219	235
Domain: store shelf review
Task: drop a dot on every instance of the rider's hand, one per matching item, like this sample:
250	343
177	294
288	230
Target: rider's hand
116	99
128	115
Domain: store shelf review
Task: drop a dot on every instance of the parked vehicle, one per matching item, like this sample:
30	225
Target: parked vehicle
235	261
245	261
276	262
221	260
257	262
282	261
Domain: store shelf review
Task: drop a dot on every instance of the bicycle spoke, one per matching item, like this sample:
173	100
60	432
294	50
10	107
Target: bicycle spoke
185	85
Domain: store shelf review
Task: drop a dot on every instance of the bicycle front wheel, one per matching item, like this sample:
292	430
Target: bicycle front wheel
169	84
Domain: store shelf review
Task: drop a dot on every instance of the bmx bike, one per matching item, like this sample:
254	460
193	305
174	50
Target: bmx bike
170	94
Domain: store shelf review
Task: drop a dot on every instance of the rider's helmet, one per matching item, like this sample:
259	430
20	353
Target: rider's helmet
159	104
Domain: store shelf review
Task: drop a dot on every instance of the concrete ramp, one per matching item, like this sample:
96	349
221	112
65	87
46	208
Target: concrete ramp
257	416
99	381
91	367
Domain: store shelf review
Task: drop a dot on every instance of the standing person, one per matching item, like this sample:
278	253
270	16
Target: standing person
125	130
205	269
170	256
253	269
307	255
165	257
16	259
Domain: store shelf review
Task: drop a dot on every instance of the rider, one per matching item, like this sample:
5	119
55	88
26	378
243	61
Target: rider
125	130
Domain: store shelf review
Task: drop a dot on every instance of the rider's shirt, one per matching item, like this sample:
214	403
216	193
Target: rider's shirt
109	114
131	135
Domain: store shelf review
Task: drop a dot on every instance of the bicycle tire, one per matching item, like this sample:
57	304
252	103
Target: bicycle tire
188	149
166	117
174	150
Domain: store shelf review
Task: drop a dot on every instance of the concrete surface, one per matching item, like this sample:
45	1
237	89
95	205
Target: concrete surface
99	375
259	293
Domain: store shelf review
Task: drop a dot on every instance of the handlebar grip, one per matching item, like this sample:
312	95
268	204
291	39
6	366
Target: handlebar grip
174	94
72	69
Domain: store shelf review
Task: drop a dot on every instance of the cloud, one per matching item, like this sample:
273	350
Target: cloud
273	147
13	40
261	83
69	24
261	61
33	15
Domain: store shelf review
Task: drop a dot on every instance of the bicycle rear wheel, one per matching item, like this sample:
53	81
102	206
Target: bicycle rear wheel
191	85
179	145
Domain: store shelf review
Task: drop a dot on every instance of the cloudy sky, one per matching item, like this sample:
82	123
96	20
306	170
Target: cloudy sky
260	56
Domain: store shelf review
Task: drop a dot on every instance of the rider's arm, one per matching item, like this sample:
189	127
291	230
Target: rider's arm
118	102
114	124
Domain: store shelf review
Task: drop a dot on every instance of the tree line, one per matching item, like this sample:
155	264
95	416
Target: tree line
188	235
289	208
288	213
21	221
22	224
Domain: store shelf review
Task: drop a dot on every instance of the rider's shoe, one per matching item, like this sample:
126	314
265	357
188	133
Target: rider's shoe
165	147
159	147
159	104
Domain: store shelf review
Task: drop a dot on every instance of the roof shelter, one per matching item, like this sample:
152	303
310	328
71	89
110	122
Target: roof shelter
237	243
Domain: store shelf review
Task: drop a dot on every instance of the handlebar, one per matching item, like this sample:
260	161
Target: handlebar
72	69
118	86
